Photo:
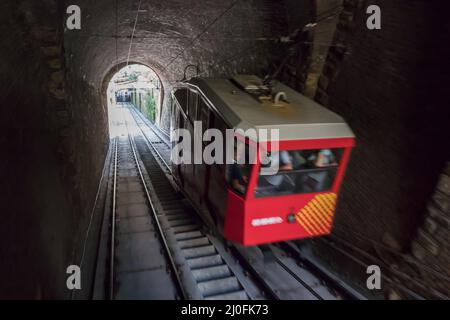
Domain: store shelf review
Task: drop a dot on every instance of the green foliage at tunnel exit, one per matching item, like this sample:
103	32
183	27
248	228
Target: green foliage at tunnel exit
150	107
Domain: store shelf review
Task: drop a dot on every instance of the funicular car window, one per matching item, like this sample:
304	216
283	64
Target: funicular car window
181	97
298	171
192	106
202	113
217	123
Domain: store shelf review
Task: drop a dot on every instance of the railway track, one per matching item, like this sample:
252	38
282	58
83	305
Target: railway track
197	264
198	268
138	250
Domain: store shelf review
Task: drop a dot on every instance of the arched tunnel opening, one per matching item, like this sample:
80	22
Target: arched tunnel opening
137	85
90	112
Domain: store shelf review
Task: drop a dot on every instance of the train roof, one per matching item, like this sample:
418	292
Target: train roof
297	117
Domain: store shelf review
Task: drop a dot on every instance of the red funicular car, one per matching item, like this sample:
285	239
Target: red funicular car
244	201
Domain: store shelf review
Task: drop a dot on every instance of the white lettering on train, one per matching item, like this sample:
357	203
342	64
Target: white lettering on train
266	221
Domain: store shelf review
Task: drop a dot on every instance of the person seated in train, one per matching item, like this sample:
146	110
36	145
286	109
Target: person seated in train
319	181
323	158
283	161
239	177
298	159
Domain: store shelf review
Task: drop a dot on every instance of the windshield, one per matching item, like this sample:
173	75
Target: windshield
299	171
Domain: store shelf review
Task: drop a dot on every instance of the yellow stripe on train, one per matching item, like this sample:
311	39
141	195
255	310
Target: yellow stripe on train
317	216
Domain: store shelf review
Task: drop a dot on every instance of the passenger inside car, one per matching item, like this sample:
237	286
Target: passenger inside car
239	170
323	158
300	171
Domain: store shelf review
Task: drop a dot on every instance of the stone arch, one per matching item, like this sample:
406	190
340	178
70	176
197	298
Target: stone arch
117	67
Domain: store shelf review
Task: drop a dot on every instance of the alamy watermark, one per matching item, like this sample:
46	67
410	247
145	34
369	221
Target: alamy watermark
73	281
228	149
374	20
73	21
374	280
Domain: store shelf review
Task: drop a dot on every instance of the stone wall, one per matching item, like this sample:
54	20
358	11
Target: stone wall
54	111
429	261
380	82
221	38
55	142
389	85
37	222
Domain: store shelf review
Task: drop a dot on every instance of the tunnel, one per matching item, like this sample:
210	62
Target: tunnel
388	84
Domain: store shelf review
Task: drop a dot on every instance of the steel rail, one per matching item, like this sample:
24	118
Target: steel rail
396	284
156	130
336	284
273	294
113	224
342	289
255	274
161	163
175	271
151	143
248	266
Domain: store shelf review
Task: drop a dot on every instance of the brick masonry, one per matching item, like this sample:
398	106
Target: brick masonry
389	85
430	246
241	41
39	227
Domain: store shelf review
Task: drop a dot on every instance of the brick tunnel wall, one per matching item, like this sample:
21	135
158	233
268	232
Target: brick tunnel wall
389	85
56	140
56	117
430	246
236	37
380	81
316	23
38	223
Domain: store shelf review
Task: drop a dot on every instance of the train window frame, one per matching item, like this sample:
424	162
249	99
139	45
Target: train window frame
216	122
305	174
192	114
180	99
203	114
249	168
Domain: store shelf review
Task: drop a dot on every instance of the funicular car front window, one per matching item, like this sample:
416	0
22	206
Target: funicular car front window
299	171
181	98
